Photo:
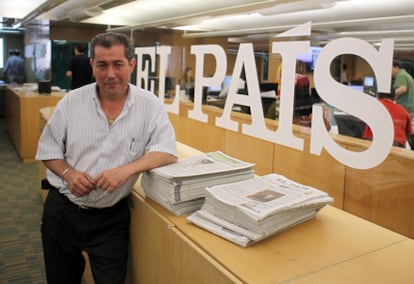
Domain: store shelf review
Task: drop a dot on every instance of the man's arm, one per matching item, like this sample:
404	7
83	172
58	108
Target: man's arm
400	90
111	179
79	183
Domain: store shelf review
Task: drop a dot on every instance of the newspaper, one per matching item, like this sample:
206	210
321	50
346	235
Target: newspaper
204	164
263	196
175	190
219	230
181	187
237	234
251	210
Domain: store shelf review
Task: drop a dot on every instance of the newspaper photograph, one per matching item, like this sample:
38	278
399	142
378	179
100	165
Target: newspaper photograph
266	195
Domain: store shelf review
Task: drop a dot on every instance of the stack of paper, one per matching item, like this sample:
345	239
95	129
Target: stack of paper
181	187
248	211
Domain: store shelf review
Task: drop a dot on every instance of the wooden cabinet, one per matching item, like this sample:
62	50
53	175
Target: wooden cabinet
22	116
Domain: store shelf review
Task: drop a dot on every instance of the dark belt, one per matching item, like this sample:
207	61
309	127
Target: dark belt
112	209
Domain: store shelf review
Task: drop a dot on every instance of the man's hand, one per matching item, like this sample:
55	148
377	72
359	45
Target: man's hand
80	183
110	180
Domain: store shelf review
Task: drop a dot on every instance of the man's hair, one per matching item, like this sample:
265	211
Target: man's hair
110	39
396	63
390	95
81	48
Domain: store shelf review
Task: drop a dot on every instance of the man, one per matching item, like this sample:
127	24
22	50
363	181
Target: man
14	68
400	118
99	139
404	90
79	69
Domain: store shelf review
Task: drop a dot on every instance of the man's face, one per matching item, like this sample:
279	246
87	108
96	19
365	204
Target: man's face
395	71
112	70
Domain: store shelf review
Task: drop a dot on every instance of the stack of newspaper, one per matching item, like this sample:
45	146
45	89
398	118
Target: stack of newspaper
248	211
181	187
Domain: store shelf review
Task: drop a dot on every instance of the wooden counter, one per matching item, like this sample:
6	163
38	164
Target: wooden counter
22	116
334	247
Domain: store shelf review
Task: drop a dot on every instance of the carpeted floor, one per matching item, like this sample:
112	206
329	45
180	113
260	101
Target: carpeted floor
21	258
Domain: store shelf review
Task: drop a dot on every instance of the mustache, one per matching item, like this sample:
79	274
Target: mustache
111	82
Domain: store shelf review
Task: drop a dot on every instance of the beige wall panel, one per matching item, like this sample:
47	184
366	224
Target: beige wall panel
384	194
322	172
250	149
199	135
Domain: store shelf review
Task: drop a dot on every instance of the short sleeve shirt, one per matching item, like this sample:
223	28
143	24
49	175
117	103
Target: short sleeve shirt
78	132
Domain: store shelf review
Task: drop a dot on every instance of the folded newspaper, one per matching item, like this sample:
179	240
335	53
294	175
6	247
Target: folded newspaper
180	187
248	211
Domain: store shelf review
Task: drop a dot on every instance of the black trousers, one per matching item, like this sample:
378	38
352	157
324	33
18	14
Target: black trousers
68	230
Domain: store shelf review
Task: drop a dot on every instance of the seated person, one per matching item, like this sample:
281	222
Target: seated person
187	81
400	117
303	98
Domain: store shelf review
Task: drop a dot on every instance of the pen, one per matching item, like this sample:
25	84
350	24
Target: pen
132	142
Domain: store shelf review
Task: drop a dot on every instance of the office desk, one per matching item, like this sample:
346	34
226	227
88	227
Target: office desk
22	116
216	102
334	247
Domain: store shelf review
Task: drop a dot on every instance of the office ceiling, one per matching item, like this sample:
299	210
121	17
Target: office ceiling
242	20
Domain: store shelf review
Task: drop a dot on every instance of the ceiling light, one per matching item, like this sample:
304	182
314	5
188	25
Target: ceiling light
378	32
298	6
82	13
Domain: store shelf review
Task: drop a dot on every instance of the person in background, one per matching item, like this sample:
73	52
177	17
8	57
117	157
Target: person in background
344	75
14	69
404	90
99	139
303	98
79	68
278	78
400	117
187	81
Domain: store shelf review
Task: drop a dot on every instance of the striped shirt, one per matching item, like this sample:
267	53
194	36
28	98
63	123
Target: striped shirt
79	132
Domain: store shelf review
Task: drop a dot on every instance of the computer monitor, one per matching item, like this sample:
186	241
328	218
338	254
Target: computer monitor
310	58
226	81
268	86
349	125
44	87
370	87
369	81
